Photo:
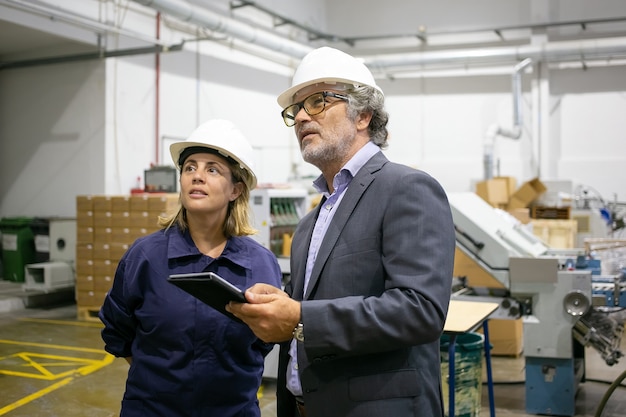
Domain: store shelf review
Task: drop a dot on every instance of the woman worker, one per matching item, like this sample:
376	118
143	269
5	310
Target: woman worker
186	358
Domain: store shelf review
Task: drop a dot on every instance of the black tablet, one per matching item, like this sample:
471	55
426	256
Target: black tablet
209	288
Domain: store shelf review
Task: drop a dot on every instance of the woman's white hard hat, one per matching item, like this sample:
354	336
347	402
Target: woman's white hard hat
330	66
225	138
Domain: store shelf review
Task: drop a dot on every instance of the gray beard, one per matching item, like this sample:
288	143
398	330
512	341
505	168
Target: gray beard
327	153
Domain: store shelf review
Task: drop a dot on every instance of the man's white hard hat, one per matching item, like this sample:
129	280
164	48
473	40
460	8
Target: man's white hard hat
225	138
330	66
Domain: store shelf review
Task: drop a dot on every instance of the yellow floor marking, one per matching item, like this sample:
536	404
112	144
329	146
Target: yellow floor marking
41	371
63	322
35	396
79	349
85	367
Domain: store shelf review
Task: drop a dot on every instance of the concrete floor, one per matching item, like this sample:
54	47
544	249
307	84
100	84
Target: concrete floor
53	365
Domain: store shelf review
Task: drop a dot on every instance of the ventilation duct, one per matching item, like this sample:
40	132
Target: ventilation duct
204	18
550	52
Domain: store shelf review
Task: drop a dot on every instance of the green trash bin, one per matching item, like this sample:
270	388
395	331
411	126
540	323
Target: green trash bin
18	247
468	371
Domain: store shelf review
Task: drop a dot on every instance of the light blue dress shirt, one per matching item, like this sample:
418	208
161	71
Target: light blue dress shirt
340	183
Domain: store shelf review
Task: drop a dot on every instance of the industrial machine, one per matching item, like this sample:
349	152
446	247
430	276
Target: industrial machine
276	213
58	272
552	290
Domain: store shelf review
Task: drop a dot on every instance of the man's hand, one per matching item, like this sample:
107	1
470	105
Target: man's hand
269	312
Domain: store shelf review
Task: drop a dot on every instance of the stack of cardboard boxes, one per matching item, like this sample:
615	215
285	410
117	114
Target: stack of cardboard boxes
552	225
105	228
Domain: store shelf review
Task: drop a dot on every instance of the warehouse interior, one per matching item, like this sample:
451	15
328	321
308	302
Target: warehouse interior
516	108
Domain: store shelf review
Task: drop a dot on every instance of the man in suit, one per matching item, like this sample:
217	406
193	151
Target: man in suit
371	265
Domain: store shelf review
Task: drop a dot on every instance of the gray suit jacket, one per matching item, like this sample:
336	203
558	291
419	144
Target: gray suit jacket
377	299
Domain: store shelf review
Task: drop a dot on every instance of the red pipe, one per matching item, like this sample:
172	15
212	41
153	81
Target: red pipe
157	90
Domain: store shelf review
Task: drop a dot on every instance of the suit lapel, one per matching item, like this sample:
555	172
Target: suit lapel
357	187
300	250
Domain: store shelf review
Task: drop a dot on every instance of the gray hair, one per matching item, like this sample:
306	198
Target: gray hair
366	99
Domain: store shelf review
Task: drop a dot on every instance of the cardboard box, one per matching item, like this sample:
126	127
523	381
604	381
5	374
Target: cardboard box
506	337
101	203
526	194
90	298
511	185
121	219
102	234
84	267
120	203
84	203
521	214
103	283
163	202
494	191
101	251
84	234
104	267
117	250
84	218
139	202
558	234
143	219
102	219
84	251
84	283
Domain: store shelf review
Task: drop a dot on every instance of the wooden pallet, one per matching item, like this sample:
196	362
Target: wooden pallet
555	213
88	313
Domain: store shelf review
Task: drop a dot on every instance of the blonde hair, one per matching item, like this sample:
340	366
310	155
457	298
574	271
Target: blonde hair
237	221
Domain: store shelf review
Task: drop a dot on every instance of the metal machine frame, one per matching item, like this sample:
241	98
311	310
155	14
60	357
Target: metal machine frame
555	301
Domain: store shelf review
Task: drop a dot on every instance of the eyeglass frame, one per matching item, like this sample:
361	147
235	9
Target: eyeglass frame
300	105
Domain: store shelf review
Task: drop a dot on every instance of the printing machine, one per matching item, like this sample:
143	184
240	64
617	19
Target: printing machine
561	313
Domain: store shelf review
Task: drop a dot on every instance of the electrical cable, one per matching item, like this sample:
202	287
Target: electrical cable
608	394
602	381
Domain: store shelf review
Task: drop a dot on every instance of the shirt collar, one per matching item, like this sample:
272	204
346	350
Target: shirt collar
349	170
181	245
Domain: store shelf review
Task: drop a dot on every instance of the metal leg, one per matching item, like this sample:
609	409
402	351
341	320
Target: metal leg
451	375
492	407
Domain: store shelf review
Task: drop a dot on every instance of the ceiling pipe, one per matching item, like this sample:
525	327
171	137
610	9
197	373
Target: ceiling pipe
383	64
547	52
202	17
516	131
88	56
495	130
60	14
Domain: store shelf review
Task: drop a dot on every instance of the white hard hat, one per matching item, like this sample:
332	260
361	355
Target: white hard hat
327	65
224	137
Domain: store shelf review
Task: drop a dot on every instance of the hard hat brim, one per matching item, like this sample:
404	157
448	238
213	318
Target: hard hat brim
178	147
285	99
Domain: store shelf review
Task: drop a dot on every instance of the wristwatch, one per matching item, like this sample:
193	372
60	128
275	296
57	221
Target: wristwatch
298	332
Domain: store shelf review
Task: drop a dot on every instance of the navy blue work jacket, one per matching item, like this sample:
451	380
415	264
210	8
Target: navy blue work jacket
188	359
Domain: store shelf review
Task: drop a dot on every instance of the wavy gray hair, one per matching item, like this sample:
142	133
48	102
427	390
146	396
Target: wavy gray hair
366	99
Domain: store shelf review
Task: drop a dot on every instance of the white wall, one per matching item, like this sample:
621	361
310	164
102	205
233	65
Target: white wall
51	138
90	127
55	145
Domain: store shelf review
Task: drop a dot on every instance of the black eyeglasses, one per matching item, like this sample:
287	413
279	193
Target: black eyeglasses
312	105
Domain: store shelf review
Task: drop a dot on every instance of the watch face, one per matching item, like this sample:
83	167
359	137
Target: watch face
298	333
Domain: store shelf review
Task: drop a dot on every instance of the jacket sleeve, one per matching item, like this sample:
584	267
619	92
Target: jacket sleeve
118	319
